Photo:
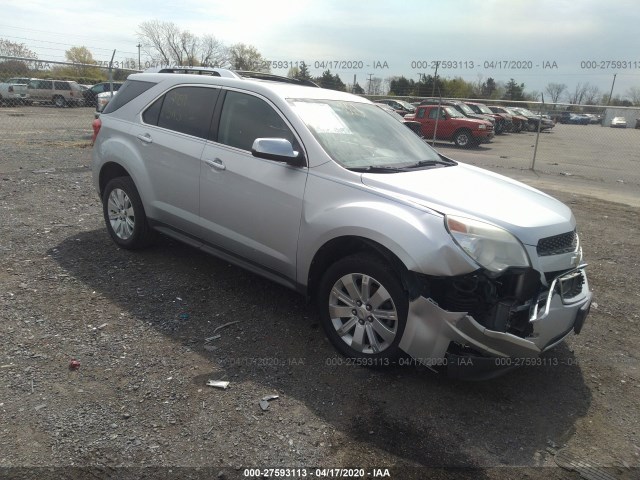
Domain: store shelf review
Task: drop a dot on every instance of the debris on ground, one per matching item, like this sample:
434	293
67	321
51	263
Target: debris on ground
264	402
74	364
221	384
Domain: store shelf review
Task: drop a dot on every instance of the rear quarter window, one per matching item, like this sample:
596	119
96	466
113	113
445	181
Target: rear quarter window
129	90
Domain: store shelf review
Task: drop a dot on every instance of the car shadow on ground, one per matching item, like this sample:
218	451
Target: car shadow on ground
418	417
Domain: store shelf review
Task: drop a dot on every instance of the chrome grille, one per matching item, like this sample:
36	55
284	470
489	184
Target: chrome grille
563	243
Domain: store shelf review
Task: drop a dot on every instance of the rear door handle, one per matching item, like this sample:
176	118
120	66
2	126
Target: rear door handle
146	138
216	163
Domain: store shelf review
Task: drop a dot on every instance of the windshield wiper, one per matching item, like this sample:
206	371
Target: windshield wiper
431	163
376	169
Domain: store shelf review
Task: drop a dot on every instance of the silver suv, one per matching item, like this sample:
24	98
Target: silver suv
405	250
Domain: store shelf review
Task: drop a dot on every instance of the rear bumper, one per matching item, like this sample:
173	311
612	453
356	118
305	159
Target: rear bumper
431	330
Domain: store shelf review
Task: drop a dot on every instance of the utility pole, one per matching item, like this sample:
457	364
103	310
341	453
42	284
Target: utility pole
139	65
611	93
435	78
369	89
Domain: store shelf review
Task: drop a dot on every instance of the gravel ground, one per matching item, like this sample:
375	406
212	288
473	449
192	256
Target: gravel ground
143	328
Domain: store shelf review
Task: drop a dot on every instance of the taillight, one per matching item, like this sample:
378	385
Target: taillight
96	124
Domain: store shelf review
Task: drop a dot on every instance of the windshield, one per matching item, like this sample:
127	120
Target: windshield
466	109
406	105
525	112
453	112
360	135
484	109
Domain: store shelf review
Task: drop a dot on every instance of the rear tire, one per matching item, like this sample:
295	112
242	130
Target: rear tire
124	215
363	309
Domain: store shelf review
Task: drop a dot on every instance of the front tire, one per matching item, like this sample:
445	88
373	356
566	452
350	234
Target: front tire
124	215
59	101
463	139
363	308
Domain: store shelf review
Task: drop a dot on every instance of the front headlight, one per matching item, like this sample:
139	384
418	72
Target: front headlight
491	247
482	126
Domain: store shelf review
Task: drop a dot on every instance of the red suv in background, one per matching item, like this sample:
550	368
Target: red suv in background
451	125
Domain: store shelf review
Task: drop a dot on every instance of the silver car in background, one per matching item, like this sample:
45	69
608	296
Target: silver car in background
404	250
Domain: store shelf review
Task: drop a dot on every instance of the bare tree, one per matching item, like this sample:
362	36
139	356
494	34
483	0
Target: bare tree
214	53
166	43
375	86
592	95
555	91
634	95
13	49
577	96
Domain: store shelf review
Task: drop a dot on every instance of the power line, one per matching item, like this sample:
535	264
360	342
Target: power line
46	31
62	43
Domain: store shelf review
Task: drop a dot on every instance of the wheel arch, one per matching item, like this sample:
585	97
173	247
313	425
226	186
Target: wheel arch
344	246
109	171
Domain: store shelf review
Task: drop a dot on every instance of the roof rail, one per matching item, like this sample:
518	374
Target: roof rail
223	72
195	70
275	78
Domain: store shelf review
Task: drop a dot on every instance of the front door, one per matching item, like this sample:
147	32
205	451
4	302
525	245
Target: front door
250	208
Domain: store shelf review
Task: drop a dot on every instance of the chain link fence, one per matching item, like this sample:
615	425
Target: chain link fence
574	140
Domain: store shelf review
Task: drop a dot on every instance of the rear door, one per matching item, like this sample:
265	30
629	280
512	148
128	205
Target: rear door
170	140
250	207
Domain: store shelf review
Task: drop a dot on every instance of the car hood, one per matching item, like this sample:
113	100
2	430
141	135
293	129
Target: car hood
473	192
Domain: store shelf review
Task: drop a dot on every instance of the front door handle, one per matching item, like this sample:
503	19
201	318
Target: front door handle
216	163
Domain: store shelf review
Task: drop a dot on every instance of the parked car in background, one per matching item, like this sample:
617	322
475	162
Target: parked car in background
103	99
504	121
532	119
91	94
14	92
594	118
449	124
400	106
578	119
619	122
410	124
405	251
518	121
58	92
461	107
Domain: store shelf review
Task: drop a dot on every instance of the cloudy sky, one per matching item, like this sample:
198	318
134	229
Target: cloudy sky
577	40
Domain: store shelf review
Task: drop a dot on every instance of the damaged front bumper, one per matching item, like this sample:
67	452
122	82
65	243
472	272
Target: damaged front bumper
431	331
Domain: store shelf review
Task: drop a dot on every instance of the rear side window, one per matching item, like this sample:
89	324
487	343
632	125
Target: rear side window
61	86
184	109
129	90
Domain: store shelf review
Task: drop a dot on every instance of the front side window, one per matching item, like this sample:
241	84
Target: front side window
245	118
433	113
62	86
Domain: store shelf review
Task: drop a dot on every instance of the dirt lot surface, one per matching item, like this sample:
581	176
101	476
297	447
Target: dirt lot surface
144	328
